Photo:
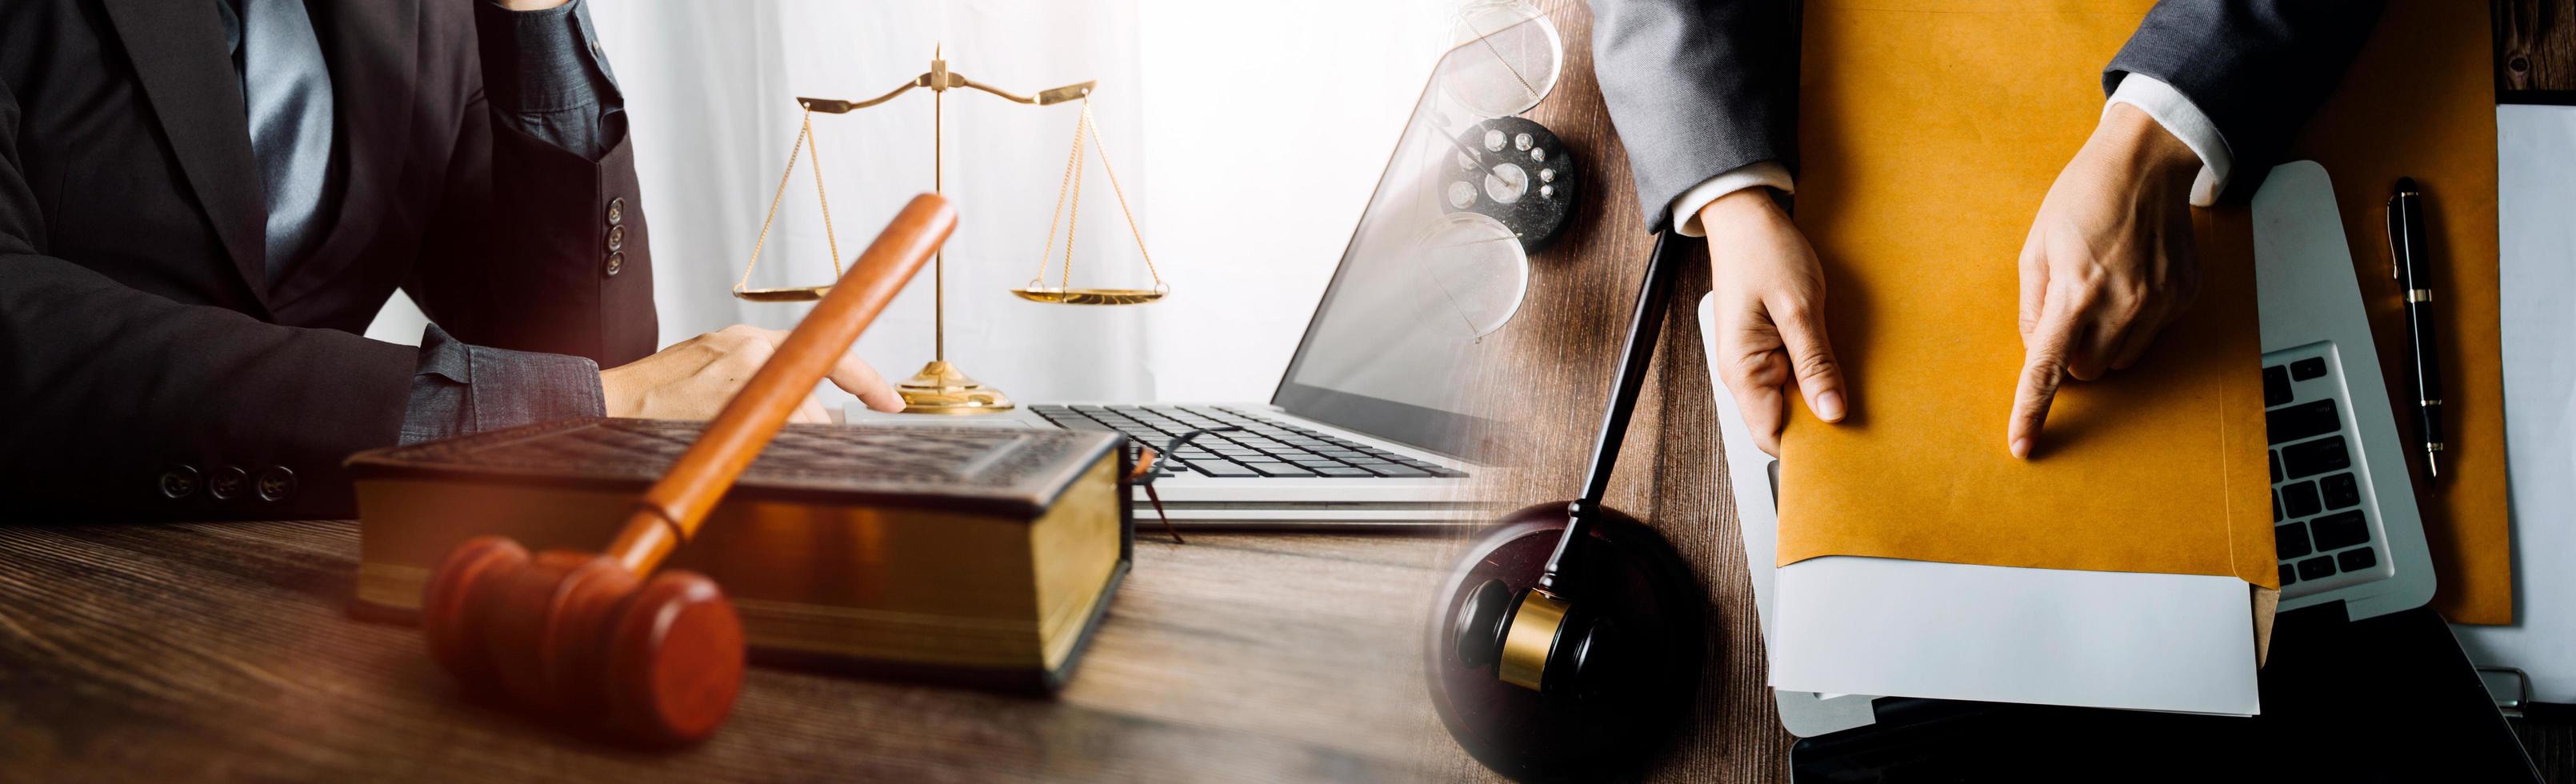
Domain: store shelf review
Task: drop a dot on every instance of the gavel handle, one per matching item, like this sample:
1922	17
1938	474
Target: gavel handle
671	511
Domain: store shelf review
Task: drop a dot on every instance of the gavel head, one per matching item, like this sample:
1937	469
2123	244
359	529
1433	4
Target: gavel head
578	637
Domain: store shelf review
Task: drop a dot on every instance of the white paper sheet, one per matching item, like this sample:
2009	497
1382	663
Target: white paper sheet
2167	642
2536	199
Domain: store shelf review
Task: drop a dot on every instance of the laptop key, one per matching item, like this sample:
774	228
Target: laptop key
1279	469
2340	492
1342	471
2356	559
2276	386
1397	470
2305	420
2299	499
2290	541
2315	457
2339	530
2288	575
2276	467
1222	468
2317	568
2305	369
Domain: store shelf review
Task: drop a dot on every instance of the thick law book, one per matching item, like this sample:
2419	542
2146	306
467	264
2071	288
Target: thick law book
979	556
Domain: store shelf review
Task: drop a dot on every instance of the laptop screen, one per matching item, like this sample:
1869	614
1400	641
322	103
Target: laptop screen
1420	294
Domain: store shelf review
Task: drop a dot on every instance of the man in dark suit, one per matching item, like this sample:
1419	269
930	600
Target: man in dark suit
202	202
1704	95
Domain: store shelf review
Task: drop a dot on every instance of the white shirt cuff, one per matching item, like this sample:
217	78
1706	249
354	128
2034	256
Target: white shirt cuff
2184	120
1686	207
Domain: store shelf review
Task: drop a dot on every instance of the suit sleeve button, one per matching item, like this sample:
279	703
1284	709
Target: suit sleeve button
228	483
616	261
179	482
616	238
616	211
276	483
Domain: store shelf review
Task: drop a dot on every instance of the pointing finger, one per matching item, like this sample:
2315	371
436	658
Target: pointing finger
856	377
2043	368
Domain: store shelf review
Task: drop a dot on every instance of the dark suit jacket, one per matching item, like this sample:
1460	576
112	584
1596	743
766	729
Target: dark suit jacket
1701	87
147	367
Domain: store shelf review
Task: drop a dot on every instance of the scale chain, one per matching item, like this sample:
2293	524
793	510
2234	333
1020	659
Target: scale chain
830	237
805	144
1072	161
763	238
1105	168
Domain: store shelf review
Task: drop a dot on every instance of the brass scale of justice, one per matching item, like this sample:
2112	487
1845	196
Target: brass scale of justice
941	388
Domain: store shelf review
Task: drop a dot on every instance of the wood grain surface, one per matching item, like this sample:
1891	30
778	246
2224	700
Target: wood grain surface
2535	50
223	651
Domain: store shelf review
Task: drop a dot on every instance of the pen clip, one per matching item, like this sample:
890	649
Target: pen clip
2396	226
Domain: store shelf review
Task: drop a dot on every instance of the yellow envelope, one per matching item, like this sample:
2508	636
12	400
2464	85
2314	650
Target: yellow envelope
1929	132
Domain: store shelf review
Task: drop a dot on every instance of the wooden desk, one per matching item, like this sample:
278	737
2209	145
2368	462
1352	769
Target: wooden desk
175	651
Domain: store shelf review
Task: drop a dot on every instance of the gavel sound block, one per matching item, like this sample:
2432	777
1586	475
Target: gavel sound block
599	640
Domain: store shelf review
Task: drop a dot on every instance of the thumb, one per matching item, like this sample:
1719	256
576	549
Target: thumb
1811	355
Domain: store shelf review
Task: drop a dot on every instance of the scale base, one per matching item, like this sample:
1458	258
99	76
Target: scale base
940	388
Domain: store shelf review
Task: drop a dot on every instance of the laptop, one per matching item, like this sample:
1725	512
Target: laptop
1368	427
2348	534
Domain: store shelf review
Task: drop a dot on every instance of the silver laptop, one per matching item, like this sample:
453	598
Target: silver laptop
2346	528
1367	427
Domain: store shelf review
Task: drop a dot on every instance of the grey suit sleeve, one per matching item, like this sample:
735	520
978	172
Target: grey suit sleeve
2257	68
1697	88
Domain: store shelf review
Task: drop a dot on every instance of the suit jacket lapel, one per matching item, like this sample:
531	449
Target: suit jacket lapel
178	53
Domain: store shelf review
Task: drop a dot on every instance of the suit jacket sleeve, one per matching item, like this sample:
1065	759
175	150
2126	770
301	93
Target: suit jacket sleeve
2257	68
1697	88
537	248
119	402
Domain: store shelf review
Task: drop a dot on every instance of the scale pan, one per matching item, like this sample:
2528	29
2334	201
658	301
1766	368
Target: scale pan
799	294
1088	296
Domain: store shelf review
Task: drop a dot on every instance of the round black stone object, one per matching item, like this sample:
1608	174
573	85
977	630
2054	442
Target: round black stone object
1516	171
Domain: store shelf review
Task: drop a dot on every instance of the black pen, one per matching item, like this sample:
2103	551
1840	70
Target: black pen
2412	258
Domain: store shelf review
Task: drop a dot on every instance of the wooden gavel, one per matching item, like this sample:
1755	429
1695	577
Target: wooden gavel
598	639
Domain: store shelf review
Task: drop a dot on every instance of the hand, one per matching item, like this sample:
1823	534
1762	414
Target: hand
694	378
1770	303
2108	262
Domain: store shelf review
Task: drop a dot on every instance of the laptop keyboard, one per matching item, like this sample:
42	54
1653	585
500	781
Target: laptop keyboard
1263	448
2320	528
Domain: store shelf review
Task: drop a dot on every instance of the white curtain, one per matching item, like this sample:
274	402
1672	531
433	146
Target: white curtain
1247	137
